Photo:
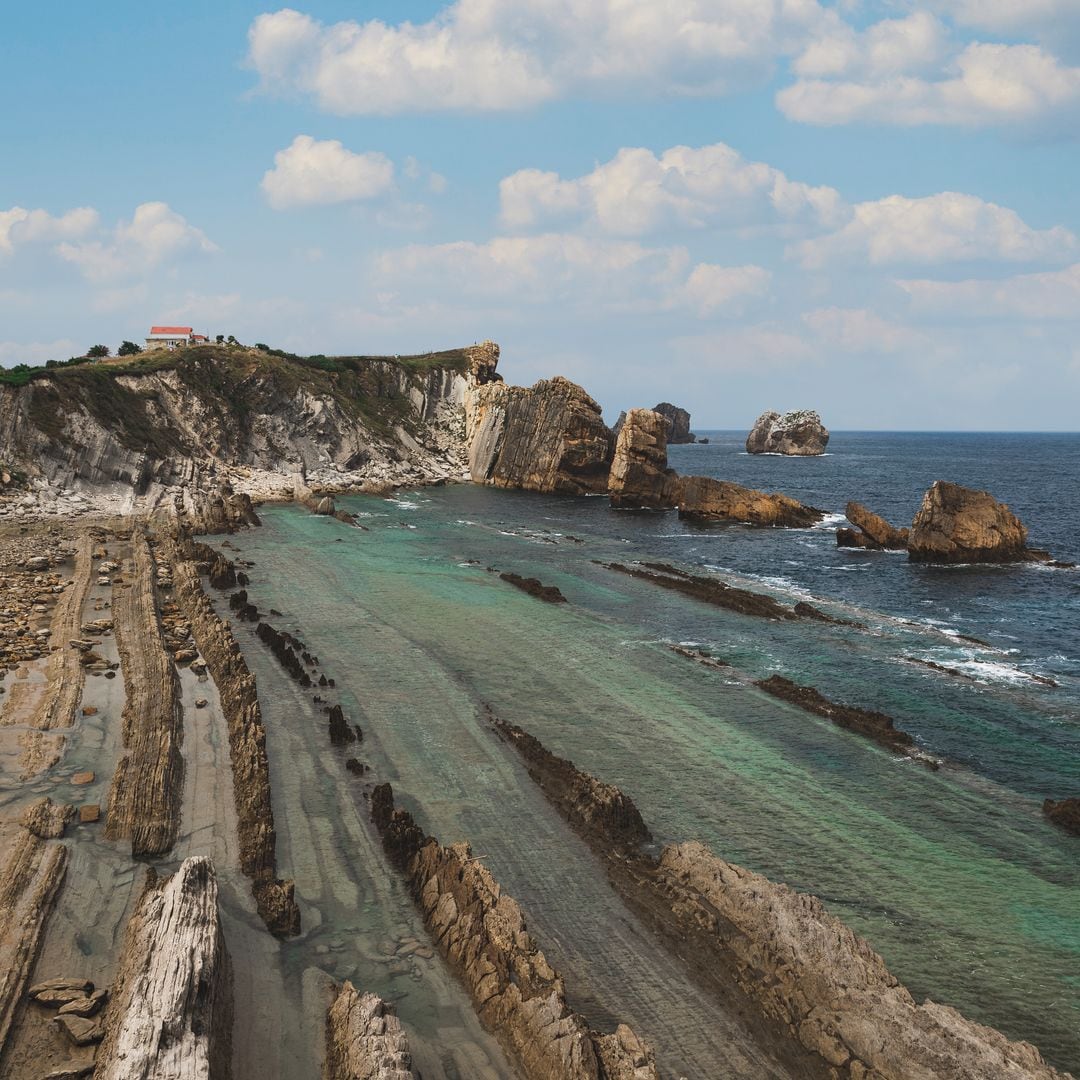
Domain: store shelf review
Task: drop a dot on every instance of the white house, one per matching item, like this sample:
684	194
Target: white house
173	337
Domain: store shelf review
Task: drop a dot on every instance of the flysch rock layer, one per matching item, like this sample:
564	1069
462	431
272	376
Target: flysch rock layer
365	1039
170	1012
797	434
874	531
247	738
639	477
29	883
547	437
959	525
147	787
482	933
701	498
822	981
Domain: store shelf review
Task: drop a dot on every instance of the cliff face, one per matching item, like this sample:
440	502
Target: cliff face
547	437
136	430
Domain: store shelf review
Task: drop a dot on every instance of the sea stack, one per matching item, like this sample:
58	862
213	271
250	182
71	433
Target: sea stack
640	478
796	434
678	423
959	525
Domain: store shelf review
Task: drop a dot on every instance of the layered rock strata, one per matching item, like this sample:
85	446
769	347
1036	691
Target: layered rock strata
797	434
147	787
365	1039
482	933
548	437
247	739
639	477
29	883
871	531
959	525
779	954
701	498
171	1010
678	423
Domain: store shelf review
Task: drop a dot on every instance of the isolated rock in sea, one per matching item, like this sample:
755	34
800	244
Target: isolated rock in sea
1065	813
874	532
798	434
548	437
365	1039
171	1008
705	499
678	421
958	525
640	478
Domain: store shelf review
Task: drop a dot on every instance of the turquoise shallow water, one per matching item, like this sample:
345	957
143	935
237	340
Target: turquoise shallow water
954	876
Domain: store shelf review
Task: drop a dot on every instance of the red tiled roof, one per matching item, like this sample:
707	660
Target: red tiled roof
172	331
199	337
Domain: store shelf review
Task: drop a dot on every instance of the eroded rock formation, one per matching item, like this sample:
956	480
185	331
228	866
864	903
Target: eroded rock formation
548	437
482	933
170	1014
678	423
247	739
640	478
871	531
365	1039
959	525
798	434
147	787
701	498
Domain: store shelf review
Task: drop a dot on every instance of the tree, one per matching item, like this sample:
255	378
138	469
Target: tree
96	352
220	339
128	348
231	340
261	347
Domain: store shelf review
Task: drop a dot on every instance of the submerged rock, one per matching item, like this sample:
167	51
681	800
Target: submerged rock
1065	813
959	525
797	434
705	499
678	423
535	587
640	478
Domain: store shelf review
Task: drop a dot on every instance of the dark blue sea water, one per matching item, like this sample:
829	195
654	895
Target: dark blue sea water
955	876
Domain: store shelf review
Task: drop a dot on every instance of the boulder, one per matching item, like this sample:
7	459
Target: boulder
705	499
678	421
874	531
639	477
80	1030
548	437
797	434
958	525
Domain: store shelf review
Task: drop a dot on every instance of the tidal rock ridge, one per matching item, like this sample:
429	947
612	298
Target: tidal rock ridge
701	498
871	531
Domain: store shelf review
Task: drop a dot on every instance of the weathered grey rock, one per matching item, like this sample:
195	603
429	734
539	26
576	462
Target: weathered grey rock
959	525
640	478
797	434
548	437
81	1031
704	499
678	423
365	1039
171	1011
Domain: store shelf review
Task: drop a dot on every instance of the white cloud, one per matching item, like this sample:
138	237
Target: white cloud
155	234
637	192
950	227
984	84
585	273
1009	16
858	330
890	47
746	350
1053	295
311	171
507	54
20	226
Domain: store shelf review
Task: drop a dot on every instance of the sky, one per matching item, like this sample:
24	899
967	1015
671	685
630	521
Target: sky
865	207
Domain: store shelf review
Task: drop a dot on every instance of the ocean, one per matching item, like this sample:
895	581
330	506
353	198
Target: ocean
972	897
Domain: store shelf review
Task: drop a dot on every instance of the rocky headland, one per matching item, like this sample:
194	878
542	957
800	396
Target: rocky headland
794	434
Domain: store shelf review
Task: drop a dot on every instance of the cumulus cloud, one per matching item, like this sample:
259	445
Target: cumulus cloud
1052	295
311	172
154	234
890	47
19	226
637	192
507	54
983	84
1009	16
859	330
579	271
949	227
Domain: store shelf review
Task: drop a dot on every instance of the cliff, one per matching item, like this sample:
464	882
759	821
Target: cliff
139	430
